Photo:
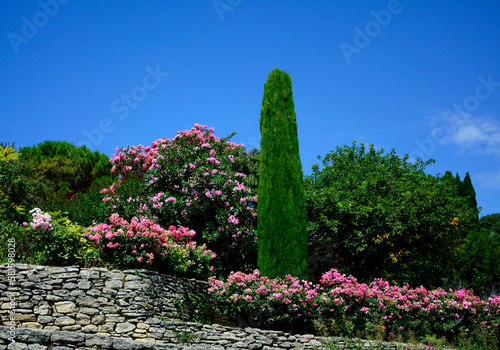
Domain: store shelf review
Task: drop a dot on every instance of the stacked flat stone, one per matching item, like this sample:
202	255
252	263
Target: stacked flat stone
95	300
203	337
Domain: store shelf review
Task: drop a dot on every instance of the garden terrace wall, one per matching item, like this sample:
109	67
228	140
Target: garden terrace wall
96	300
203	337
78	308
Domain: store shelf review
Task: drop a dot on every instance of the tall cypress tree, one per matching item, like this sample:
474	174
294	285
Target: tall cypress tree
281	210
460	185
468	190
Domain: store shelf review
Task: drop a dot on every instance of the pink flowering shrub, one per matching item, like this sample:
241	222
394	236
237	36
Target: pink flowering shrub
53	239
142	243
194	180
341	306
41	220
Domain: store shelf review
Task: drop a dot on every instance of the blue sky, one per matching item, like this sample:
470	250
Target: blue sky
422	77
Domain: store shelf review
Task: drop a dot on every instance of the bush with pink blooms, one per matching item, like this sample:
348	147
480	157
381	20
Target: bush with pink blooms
41	220
194	180
341	306
142	243
50	239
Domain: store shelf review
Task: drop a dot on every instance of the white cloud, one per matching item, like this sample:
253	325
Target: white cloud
468	134
489	180
476	135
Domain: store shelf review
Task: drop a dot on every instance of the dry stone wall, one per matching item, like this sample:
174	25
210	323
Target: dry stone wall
191	336
44	308
95	300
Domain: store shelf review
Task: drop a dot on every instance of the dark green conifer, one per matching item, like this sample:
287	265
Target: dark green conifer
460	185
468	190
282	231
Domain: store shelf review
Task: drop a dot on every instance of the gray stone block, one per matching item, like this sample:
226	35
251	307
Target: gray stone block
17	346
67	337
124	327
98	340
32	335
65	307
127	344
88	302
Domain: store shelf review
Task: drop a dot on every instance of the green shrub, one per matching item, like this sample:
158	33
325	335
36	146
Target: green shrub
87	208
65	245
478	262
50	239
24	251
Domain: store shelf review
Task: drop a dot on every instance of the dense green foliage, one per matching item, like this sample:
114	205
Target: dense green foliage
88	207
62	245
478	265
66	168
19	192
491	223
378	215
55	176
466	190
282	234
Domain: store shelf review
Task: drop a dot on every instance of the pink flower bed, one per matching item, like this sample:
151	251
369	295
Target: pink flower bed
343	306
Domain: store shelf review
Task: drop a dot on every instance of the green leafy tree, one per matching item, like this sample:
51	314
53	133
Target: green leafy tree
281	225
478	262
384	216
19	192
68	168
69	171
479	256
491	223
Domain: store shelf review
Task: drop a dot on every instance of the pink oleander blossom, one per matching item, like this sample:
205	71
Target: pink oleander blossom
339	296
144	237
186	178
